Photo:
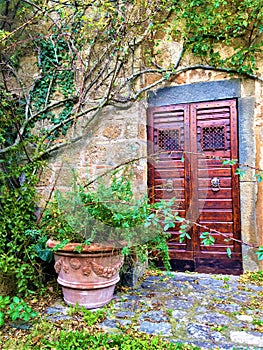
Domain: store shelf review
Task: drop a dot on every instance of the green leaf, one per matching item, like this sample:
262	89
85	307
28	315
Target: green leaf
259	177
229	252
61	244
204	234
88	241
167	75
15	315
229	161
240	172
78	248
259	253
181	238
45	255
187	235
125	251
16	300
180	219
207	238
4	301
2	318
169	225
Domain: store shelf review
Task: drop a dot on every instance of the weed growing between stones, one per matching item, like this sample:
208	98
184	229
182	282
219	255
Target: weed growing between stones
15	309
204	314
90	318
253	277
63	336
258	325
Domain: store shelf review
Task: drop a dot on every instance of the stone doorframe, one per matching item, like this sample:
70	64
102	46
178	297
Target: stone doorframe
244	92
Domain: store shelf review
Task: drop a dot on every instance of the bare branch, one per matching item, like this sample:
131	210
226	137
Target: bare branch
22	25
218	69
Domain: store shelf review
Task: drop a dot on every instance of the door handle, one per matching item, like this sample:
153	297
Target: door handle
169	185
215	184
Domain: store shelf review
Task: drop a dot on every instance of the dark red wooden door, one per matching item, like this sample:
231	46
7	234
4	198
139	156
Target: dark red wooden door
188	142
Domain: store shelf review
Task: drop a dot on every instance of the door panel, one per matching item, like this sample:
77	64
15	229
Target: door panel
188	142
168	136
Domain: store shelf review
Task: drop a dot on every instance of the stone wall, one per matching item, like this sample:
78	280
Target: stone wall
118	135
258	129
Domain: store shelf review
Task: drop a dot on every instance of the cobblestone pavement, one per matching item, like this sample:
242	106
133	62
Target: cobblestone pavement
209	311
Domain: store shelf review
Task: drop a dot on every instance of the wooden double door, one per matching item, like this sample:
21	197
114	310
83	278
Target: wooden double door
186	145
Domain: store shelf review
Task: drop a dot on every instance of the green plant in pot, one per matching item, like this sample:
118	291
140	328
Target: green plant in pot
92	228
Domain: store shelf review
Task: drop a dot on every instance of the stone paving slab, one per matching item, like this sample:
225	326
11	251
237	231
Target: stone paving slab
209	311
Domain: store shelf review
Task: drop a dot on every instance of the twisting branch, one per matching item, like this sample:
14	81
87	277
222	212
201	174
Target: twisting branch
182	220
24	25
218	69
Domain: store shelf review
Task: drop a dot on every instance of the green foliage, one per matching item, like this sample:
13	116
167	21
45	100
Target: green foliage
15	309
229	161
89	317
253	277
229	252
240	172
184	227
80	339
259	253
256	277
37	245
57	76
85	54
4	301
210	27
6	117
259	176
97	340
108	214
21	246
207	238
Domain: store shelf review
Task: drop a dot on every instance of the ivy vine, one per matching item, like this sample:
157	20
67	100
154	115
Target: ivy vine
223	34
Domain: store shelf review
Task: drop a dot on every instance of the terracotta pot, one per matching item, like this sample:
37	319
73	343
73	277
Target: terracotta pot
87	278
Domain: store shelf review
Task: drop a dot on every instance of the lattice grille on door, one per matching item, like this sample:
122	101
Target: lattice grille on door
169	140
213	138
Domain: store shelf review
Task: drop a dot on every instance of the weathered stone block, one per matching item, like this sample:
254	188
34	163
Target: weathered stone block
111	131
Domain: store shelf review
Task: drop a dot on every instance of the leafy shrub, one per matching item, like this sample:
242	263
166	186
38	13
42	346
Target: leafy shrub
16	309
47	337
90	317
22	246
102	341
110	214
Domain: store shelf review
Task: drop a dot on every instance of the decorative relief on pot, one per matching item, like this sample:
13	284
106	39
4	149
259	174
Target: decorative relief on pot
102	271
86	269
106	272
58	266
65	267
74	263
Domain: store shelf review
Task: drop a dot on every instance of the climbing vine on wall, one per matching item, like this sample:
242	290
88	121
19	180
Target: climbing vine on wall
223	33
91	54
56	76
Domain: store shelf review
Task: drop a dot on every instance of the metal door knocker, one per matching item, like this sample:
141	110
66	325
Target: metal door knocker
215	184
169	185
